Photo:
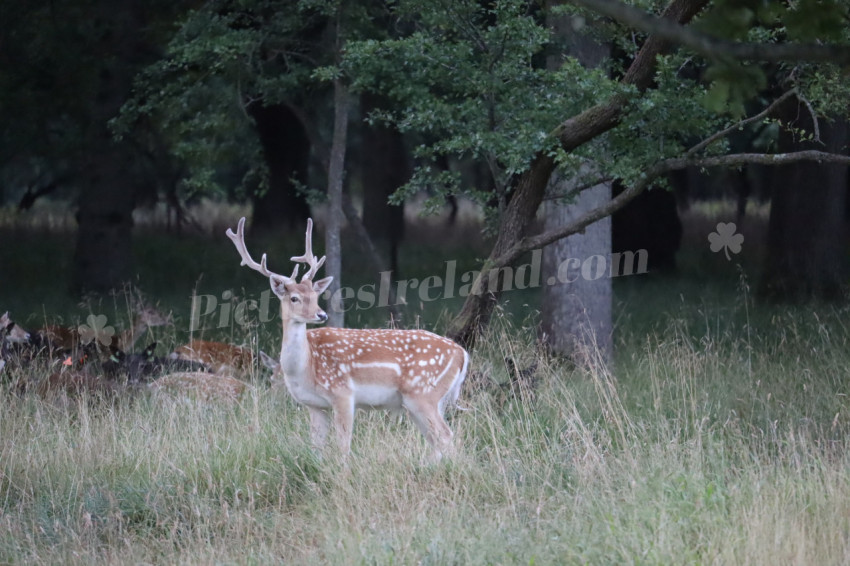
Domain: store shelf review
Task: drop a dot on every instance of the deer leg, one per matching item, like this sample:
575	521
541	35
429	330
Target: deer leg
319	426
343	423
432	426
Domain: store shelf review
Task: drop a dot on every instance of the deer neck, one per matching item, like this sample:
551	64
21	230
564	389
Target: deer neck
294	351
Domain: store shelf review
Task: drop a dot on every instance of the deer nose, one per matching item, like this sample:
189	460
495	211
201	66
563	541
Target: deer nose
322	316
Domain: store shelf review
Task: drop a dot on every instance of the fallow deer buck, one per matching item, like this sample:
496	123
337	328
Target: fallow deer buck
340	370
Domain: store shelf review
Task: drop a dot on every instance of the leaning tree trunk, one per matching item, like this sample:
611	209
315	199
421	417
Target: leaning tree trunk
286	150
807	232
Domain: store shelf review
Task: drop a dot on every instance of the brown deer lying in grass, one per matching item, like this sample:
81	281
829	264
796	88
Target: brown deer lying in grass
339	370
200	387
64	340
219	356
75	382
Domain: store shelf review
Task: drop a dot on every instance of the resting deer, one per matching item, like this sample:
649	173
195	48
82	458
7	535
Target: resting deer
340	370
145	365
201	387
61	339
218	356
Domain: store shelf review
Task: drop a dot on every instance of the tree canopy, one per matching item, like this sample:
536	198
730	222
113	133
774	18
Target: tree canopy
470	83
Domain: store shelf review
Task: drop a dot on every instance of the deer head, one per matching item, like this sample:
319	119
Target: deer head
299	299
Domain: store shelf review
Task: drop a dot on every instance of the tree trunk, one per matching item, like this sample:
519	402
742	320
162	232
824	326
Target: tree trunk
286	149
531	185
103	256
336	171
576	310
807	231
384	168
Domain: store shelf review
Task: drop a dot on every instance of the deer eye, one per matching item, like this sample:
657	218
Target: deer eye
294	299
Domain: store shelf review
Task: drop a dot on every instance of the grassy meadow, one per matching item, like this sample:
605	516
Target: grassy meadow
719	436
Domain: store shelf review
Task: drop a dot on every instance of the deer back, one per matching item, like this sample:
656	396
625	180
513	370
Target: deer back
218	356
381	362
201	387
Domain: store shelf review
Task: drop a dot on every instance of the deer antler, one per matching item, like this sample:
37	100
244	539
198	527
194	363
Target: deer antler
239	241
308	257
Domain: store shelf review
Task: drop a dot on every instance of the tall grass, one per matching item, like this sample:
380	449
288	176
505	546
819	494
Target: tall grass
706	443
718	436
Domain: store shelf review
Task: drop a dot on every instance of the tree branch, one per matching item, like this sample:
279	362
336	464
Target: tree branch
534	242
763	114
575	191
711	46
814	116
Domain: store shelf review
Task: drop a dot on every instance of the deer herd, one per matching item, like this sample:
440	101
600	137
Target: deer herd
332	372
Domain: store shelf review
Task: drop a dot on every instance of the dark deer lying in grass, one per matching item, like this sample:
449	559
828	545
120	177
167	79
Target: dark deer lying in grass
146	366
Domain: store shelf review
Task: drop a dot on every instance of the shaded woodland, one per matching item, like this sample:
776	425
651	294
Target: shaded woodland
114	107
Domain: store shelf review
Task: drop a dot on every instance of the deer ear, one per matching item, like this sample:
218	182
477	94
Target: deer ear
278	286
320	286
149	351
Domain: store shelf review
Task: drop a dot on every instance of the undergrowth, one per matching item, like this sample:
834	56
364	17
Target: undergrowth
701	444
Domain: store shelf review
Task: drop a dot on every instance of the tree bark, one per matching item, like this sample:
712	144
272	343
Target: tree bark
333	222
576	311
531	185
807	231
103	257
